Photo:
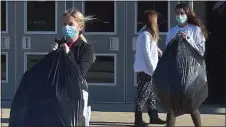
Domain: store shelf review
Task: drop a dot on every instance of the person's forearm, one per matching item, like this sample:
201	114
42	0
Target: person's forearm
197	47
159	51
85	66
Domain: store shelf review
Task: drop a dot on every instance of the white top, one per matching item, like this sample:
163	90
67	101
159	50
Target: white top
146	57
194	36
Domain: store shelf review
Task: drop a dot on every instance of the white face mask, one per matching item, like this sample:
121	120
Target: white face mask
181	19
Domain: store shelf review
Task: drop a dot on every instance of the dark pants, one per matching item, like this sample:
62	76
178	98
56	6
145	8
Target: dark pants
145	93
171	119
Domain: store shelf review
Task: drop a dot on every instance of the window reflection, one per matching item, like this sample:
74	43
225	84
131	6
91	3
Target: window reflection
41	16
33	59
102	70
159	6
102	13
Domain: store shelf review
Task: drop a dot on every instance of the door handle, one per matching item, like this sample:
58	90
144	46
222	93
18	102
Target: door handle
114	43
26	42
5	42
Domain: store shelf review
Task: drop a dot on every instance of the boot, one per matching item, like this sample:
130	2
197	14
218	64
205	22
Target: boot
170	120
154	118
139	120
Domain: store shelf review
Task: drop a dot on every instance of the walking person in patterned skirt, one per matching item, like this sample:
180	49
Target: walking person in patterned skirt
146	59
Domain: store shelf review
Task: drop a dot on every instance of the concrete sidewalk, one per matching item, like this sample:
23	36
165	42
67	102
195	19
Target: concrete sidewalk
126	119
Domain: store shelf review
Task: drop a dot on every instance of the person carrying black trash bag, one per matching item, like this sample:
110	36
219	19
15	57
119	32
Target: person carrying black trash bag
180	77
54	92
146	59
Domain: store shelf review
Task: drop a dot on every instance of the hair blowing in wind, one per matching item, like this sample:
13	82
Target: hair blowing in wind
149	15
192	18
80	19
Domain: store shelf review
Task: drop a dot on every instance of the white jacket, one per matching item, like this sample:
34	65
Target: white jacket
194	36
146	57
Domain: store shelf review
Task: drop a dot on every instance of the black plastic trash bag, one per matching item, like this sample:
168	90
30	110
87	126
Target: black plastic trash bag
180	80
51	94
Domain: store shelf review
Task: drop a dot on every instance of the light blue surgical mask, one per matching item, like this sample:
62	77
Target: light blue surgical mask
181	19
70	31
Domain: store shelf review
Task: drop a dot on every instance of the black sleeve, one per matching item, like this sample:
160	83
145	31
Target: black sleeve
86	59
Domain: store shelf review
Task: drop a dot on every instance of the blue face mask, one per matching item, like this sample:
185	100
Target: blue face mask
70	31
181	19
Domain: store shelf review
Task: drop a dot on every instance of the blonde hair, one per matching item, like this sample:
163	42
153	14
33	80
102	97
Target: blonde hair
151	25
80	19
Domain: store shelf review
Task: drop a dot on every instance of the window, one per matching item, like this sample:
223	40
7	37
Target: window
33	59
102	70
41	16
159	6
3	14
103	16
4	66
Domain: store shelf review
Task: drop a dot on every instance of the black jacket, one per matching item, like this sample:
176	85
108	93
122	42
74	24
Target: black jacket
83	54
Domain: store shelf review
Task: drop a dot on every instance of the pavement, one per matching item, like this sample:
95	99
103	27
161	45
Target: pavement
122	115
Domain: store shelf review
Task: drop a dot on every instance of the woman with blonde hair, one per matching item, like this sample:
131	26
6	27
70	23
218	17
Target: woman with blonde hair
54	91
77	49
146	59
76	46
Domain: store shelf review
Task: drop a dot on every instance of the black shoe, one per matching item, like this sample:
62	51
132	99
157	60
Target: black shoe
140	124
139	120
157	121
154	118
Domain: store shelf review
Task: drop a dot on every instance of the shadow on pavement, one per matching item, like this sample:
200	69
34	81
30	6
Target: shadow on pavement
102	123
204	109
96	123
4	120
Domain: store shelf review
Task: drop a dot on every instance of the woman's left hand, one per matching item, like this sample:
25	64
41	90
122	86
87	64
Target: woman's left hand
159	52
66	48
183	35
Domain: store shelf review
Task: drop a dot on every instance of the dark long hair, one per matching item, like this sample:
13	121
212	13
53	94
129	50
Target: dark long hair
150	24
192	18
